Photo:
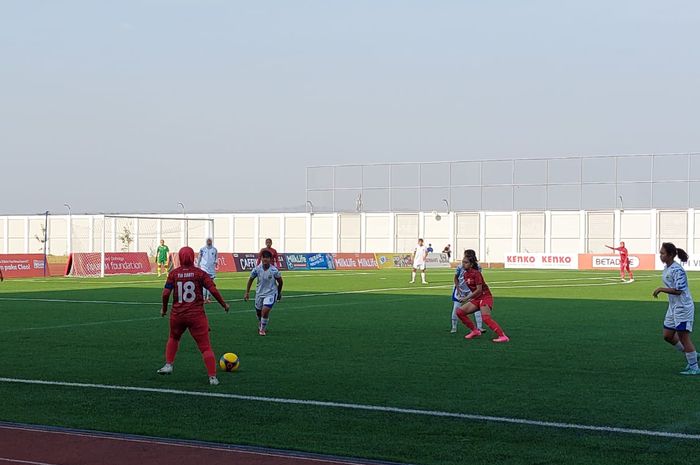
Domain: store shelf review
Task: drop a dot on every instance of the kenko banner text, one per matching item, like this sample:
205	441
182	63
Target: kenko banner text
542	261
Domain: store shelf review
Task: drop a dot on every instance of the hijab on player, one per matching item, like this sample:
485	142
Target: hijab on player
671	251
186	255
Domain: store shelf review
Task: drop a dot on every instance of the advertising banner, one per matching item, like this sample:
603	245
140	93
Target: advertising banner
320	261
355	261
244	261
22	265
296	261
88	264
437	260
224	262
394	260
612	262
692	265
542	261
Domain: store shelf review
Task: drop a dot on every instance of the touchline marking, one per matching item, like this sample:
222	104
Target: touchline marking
363	407
25	462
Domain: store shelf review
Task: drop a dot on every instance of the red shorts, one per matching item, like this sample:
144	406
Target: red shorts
625	265
198	326
483	301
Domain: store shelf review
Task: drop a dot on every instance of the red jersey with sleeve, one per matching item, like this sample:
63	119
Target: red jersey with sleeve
623	253
187	284
473	278
272	251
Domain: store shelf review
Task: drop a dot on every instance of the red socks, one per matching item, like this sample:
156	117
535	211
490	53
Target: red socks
493	325
171	350
209	362
462	315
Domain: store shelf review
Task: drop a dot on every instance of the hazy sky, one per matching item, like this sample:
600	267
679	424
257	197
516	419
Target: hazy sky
135	105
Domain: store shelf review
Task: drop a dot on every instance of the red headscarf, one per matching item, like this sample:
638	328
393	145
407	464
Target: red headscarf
186	255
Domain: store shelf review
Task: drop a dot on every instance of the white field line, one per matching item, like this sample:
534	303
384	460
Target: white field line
23	462
364	407
150	318
364	291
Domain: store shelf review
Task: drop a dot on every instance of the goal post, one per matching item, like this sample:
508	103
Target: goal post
132	239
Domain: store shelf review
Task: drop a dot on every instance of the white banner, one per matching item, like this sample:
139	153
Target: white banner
542	261
613	262
437	260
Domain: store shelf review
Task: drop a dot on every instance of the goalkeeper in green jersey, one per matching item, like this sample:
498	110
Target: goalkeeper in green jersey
162	256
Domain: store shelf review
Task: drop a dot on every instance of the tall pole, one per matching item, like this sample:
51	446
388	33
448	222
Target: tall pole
184	222
70	230
46	239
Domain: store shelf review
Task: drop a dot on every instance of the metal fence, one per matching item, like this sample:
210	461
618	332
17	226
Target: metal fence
664	181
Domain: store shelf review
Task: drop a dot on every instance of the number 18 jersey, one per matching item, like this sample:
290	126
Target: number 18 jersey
188	284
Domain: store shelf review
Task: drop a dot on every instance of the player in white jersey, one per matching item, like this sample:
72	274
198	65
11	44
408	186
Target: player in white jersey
680	315
268	290
206	260
461	294
419	256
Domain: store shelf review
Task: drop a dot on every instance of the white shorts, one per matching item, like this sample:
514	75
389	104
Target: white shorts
679	319
265	301
419	266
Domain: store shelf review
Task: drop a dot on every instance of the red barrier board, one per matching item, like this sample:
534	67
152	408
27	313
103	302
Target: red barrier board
355	261
224	262
88	264
22	265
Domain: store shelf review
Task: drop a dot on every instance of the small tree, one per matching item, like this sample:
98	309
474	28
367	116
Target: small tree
126	239
41	239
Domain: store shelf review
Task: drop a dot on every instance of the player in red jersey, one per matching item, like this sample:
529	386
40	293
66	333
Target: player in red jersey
188	283
268	247
480	299
624	261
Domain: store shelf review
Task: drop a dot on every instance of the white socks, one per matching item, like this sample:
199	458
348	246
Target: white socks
479	322
692	358
679	346
422	276
413	276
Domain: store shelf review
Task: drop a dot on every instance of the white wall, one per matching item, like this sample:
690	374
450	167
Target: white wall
491	234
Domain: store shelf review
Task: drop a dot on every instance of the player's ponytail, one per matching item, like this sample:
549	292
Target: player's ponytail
674	251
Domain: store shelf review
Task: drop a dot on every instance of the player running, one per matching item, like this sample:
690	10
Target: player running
420	254
207	261
624	261
480	299
162	256
268	290
461	293
189	282
678	323
268	246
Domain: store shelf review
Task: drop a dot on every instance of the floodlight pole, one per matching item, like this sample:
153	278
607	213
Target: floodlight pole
447	205
70	228
184	222
46	239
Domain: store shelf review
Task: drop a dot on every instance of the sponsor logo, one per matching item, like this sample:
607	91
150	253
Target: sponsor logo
603	261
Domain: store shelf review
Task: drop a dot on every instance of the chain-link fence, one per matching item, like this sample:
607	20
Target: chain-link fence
569	183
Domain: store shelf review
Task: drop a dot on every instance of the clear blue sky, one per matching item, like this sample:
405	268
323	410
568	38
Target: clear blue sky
136	105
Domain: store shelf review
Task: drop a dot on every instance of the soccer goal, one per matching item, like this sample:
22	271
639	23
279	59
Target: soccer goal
120	244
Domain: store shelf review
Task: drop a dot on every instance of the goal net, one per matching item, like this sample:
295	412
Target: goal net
118	244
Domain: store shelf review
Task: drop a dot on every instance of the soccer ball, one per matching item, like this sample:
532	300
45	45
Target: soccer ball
229	362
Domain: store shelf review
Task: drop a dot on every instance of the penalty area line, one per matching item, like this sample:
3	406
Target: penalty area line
364	407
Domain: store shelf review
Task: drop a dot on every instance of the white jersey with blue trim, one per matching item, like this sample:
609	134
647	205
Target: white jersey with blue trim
464	290
674	277
207	259
267	280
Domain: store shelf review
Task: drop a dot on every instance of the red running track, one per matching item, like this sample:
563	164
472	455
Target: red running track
38	445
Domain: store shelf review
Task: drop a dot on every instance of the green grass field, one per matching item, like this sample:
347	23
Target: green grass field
584	349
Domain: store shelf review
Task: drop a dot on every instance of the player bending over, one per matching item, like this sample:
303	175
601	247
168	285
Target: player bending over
162	255
207	261
624	261
480	299
419	256
678	323
188	282
268	291
462	294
